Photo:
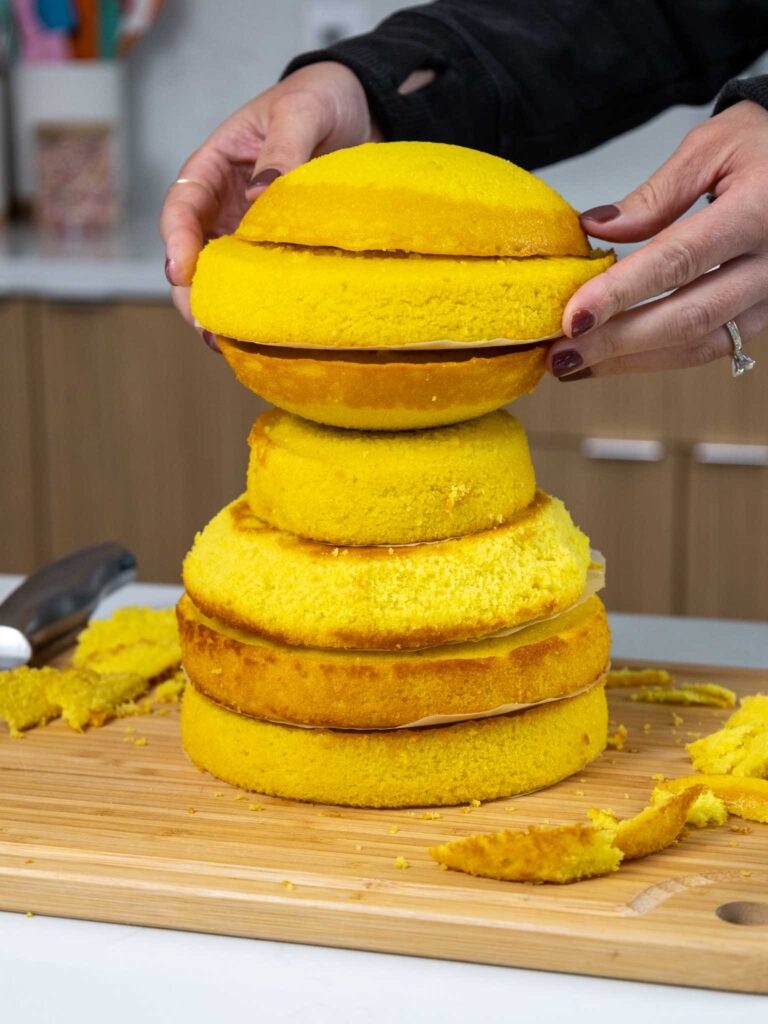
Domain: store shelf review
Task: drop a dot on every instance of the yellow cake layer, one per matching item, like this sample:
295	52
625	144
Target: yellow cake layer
426	197
302	297
450	764
362	487
310	594
379	390
379	690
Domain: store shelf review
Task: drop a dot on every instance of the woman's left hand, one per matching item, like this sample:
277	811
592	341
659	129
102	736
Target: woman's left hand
727	157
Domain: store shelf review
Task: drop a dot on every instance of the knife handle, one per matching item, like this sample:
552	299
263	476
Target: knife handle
59	598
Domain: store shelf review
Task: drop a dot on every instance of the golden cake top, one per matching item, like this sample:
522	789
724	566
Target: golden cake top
424	197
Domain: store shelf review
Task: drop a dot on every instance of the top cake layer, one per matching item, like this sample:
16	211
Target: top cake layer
421	197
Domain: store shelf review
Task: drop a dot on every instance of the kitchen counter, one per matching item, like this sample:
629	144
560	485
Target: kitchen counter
79	972
126	264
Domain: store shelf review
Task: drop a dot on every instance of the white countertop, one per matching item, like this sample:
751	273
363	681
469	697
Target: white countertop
55	971
126	264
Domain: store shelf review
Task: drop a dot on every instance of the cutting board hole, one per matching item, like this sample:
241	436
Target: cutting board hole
743	912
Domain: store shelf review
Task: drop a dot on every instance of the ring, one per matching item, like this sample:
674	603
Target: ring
740	361
196	181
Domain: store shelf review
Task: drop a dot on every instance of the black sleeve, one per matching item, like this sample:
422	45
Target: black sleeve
540	80
755	89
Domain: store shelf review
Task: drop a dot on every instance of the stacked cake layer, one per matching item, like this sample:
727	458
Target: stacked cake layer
392	614
360	665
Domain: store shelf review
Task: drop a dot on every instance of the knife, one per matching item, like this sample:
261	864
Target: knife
45	612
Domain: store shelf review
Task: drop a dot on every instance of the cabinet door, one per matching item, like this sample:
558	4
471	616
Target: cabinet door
727	535
622	494
145	430
21	511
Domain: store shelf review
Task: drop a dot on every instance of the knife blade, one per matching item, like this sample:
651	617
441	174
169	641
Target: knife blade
54	603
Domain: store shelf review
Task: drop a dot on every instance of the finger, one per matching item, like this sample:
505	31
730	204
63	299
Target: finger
298	124
677	256
180	299
668	193
716	345
190	207
685	316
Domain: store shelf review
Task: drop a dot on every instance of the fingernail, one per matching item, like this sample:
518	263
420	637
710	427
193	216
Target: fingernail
601	214
210	340
265	177
579	375
583	320
168	272
566	361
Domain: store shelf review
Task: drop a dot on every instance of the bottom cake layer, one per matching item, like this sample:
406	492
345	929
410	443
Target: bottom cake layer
450	764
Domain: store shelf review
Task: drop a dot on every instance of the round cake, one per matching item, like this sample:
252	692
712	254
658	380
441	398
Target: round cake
360	487
428	197
439	765
388	247
312	594
379	690
380	390
328	298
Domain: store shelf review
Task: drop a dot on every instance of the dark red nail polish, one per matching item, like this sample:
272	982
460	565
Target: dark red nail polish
601	214
565	362
583	320
265	177
210	341
168	277
579	375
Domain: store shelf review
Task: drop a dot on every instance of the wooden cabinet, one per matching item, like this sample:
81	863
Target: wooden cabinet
22	515
623	495
726	539
143	430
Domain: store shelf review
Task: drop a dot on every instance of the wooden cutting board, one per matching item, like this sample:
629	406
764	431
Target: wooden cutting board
99	827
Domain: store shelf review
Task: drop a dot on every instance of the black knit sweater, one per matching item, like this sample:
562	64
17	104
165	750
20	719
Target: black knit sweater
537	81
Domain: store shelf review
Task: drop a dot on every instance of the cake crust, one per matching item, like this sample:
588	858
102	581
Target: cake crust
379	390
296	685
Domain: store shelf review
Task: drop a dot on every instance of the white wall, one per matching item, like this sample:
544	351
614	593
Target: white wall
206	57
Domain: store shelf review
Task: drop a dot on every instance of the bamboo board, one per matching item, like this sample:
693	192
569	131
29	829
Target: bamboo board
94	826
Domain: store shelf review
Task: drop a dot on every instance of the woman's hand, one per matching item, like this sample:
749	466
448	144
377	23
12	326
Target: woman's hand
315	110
726	157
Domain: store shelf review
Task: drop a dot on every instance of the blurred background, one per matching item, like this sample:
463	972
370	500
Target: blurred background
117	422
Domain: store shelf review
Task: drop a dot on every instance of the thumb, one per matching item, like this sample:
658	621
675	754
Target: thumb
657	202
298	124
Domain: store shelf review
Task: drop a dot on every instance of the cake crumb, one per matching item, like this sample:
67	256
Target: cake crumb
677	720
733	842
626	677
394	830
29	914
745	874
579	792
617	740
240	796
692	694
191	810
475	803
742	830
358	847
510	810
255	807
140	742
658	777
401	863
430	815
218	793
288	885
646	727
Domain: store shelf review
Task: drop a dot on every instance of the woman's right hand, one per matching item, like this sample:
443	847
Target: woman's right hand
315	110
